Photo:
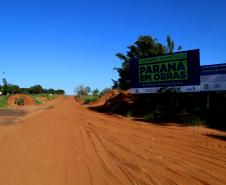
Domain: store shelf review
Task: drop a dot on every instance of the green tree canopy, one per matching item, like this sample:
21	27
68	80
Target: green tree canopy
96	92
36	89
7	88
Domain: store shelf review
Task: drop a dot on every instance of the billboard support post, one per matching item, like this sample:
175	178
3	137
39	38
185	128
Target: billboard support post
208	100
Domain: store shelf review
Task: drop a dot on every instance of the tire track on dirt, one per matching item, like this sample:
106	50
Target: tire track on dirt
188	178
71	145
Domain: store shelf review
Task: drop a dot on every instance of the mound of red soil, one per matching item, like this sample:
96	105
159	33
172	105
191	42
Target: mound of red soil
103	99
114	101
27	99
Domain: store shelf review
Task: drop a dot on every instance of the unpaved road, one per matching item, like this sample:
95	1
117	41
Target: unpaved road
67	144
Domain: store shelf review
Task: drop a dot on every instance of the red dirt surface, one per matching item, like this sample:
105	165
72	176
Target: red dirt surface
27	99
107	96
67	144
114	101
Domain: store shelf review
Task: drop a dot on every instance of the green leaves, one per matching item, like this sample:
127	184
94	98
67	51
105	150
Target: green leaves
170	44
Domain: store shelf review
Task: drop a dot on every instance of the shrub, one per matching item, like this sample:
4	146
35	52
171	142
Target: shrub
149	117
192	120
88	99
19	101
129	114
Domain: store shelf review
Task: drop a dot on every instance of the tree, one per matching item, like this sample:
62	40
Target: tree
50	91
13	89
81	90
179	48
4	86
170	44
145	46
88	89
8	88
59	91
115	82
24	90
96	92
36	89
4	81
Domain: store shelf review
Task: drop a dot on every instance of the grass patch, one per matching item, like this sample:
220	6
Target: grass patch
90	98
38	100
86	99
3	101
48	96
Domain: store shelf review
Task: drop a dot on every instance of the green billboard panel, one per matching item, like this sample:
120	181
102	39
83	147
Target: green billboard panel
176	69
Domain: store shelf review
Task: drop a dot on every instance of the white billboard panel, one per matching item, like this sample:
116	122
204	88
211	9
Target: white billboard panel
150	90
212	78
215	82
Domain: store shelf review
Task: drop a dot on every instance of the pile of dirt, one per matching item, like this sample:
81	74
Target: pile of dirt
106	97
27	99
114	101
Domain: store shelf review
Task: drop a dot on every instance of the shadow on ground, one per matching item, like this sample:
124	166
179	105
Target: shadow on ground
9	116
220	137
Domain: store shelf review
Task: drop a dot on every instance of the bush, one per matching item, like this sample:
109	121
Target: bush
88	99
81	91
129	114
19	101
159	117
192	120
149	117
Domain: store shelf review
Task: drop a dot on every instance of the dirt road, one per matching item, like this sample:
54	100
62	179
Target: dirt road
67	144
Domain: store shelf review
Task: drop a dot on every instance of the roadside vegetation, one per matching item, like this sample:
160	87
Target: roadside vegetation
8	89
167	105
144	46
86	95
19	101
37	92
40	98
3	101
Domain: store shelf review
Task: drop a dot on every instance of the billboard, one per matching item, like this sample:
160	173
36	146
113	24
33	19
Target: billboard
180	70
213	77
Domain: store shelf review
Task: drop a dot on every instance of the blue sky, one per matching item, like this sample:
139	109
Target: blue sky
65	43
